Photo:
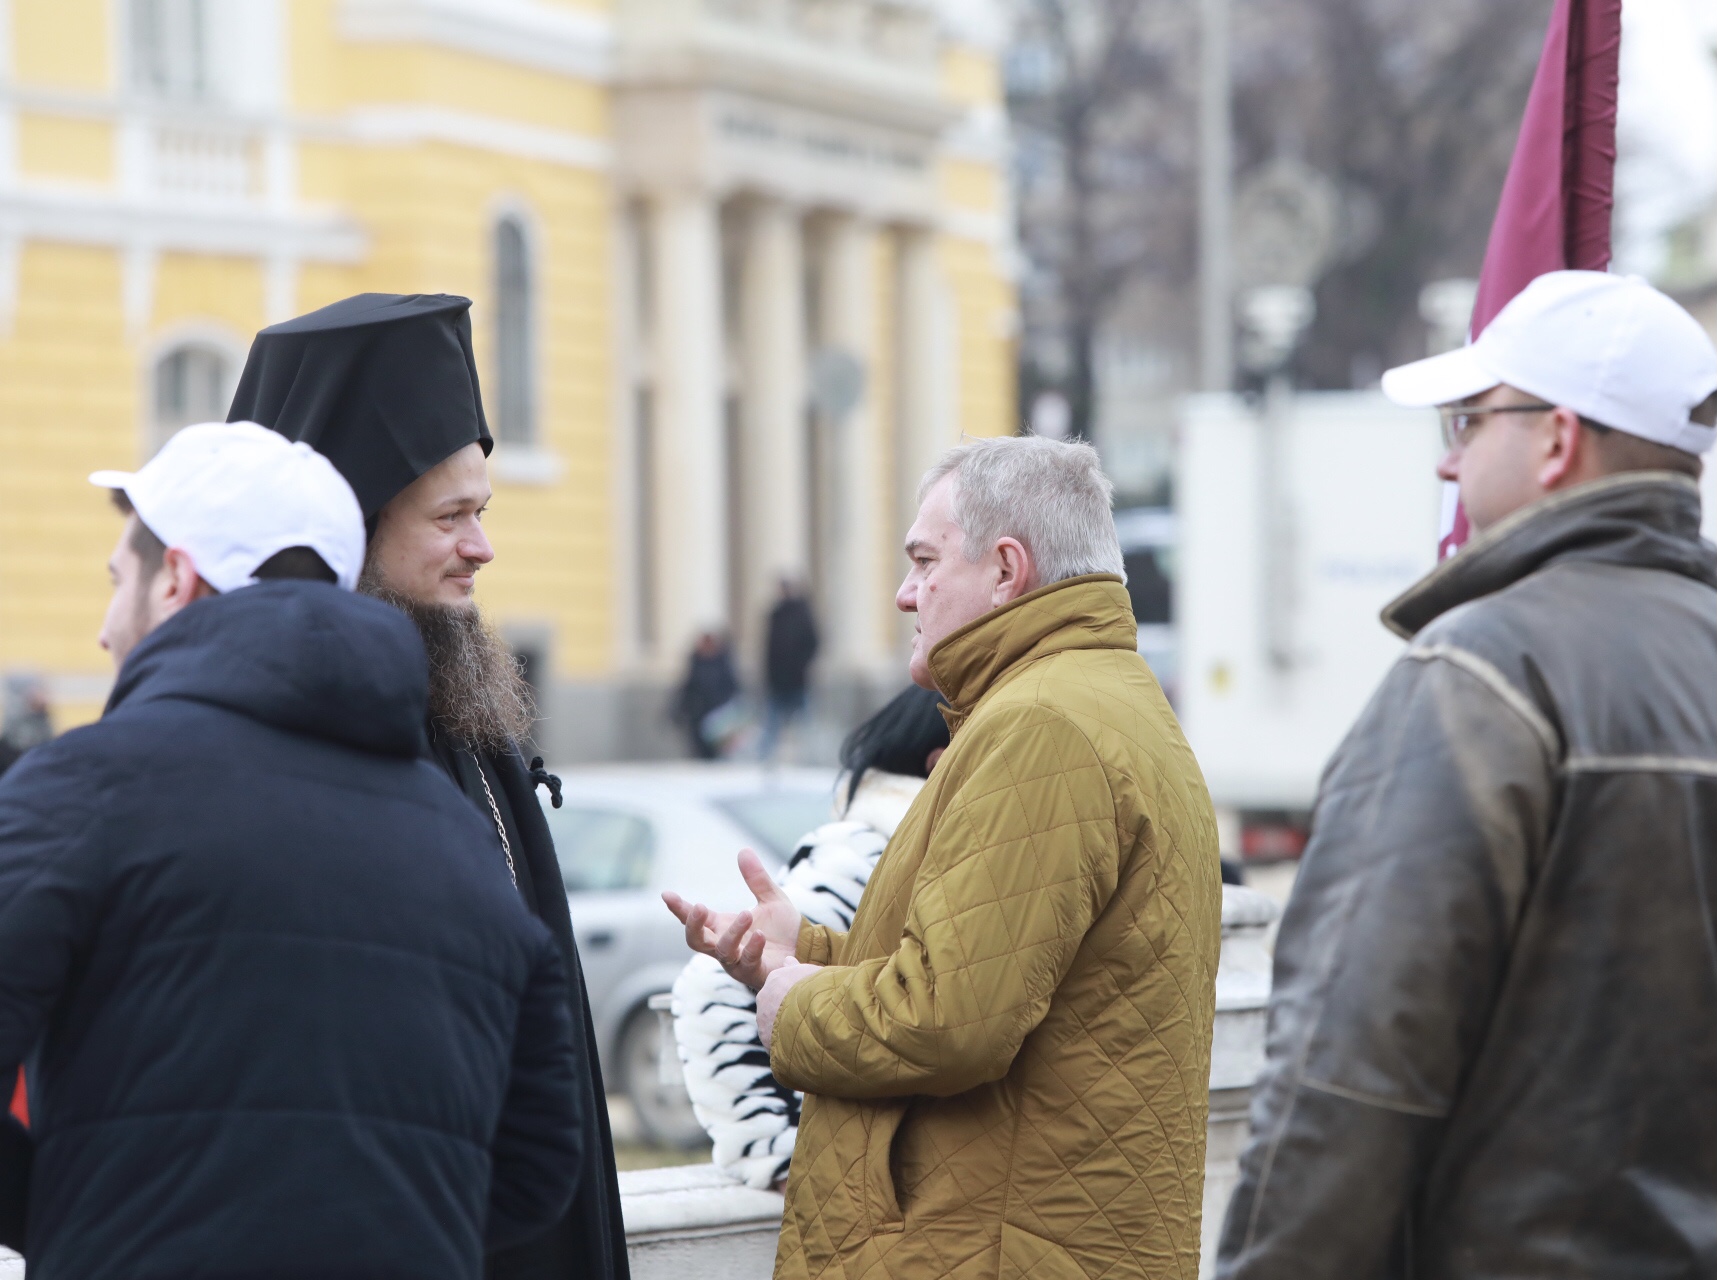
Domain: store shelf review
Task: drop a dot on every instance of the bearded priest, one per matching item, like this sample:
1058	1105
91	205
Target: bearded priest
385	386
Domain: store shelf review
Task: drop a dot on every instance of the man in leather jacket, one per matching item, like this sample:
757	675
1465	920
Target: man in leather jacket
1493	1033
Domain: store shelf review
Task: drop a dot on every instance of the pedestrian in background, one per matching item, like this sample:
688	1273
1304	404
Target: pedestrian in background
1493	1031
790	647
27	719
707	695
385	386
753	1119
1006	1058
280	1021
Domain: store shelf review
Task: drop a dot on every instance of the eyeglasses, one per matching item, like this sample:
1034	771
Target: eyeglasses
1459	423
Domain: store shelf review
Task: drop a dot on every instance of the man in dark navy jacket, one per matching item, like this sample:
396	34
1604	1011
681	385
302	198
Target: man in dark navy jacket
281	1019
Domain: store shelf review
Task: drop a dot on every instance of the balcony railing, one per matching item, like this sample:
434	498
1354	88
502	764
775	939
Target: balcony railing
204	159
202	163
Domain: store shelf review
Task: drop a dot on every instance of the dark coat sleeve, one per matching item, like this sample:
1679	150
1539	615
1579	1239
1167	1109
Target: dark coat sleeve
1428	826
50	887
51	884
539	1143
590	1240
17	1153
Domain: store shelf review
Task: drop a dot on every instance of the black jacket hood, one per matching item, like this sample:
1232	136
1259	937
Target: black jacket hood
302	656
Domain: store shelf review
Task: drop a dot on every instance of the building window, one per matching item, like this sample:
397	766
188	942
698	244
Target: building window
170	49
515	402
193	383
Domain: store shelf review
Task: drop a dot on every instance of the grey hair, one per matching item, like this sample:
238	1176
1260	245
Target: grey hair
1051	495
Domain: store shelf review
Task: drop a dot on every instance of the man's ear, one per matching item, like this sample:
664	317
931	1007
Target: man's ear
1567	458
178	584
1018	572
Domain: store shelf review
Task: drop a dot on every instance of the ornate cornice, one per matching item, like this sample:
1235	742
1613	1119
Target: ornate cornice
524	32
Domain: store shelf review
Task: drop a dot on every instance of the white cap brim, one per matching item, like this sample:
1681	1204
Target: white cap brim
1454	375
111	479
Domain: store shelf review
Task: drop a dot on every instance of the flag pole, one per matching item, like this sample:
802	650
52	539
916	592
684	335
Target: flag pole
1556	202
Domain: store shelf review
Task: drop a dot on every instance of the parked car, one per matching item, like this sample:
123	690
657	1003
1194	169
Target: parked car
625	833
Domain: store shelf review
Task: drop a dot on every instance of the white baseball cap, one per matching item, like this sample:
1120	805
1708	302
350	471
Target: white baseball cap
1611	348
233	494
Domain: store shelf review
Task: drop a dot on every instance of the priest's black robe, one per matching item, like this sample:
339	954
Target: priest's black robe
590	1241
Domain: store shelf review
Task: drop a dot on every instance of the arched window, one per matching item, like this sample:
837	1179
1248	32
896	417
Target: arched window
515	398
170	55
193	383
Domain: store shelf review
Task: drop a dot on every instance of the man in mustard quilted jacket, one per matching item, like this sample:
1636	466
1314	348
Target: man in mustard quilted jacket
1007	1058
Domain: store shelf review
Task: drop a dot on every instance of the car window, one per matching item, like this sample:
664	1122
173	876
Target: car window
601	850
779	819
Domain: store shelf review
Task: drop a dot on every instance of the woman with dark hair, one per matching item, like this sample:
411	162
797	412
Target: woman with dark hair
750	1117
894	739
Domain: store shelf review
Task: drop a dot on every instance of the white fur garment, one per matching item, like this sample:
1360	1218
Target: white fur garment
751	1118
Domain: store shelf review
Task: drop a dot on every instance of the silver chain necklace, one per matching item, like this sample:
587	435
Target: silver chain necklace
495	812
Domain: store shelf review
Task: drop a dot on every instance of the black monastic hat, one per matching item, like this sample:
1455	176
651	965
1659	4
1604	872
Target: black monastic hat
382	384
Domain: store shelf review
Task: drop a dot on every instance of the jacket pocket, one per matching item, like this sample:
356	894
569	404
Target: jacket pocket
1027	1256
881	1196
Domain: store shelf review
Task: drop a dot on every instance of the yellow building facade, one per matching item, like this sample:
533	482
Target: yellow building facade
740	269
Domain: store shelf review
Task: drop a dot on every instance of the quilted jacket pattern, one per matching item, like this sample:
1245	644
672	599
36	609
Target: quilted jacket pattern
1008	1055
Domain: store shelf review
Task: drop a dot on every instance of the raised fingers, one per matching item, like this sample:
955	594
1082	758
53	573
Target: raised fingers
749	967
757	877
697	932
727	946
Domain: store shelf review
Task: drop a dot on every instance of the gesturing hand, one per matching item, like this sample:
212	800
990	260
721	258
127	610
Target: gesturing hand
750	944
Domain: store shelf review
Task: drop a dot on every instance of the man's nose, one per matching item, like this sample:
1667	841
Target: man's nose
906	599
1450	466
475	547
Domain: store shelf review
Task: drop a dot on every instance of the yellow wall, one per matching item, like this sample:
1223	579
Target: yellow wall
333	74
66	148
66	397
378	74
970	185
983	295
971	77
61	44
73	391
984	318
206	289
73	378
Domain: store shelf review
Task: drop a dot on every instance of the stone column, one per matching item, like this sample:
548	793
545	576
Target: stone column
689	467
854	592
927	428
775	521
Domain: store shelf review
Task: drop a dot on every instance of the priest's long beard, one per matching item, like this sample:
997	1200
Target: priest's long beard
477	689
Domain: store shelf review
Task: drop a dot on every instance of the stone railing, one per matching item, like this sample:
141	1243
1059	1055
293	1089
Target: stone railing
1236	1049
696	1221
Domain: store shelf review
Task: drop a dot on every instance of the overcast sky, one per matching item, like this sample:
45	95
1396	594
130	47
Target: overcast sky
1666	133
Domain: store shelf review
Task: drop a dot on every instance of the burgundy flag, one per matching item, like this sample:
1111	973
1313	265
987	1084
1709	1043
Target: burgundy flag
1554	214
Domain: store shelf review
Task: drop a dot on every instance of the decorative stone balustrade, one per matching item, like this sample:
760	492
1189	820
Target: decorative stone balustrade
696	1221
